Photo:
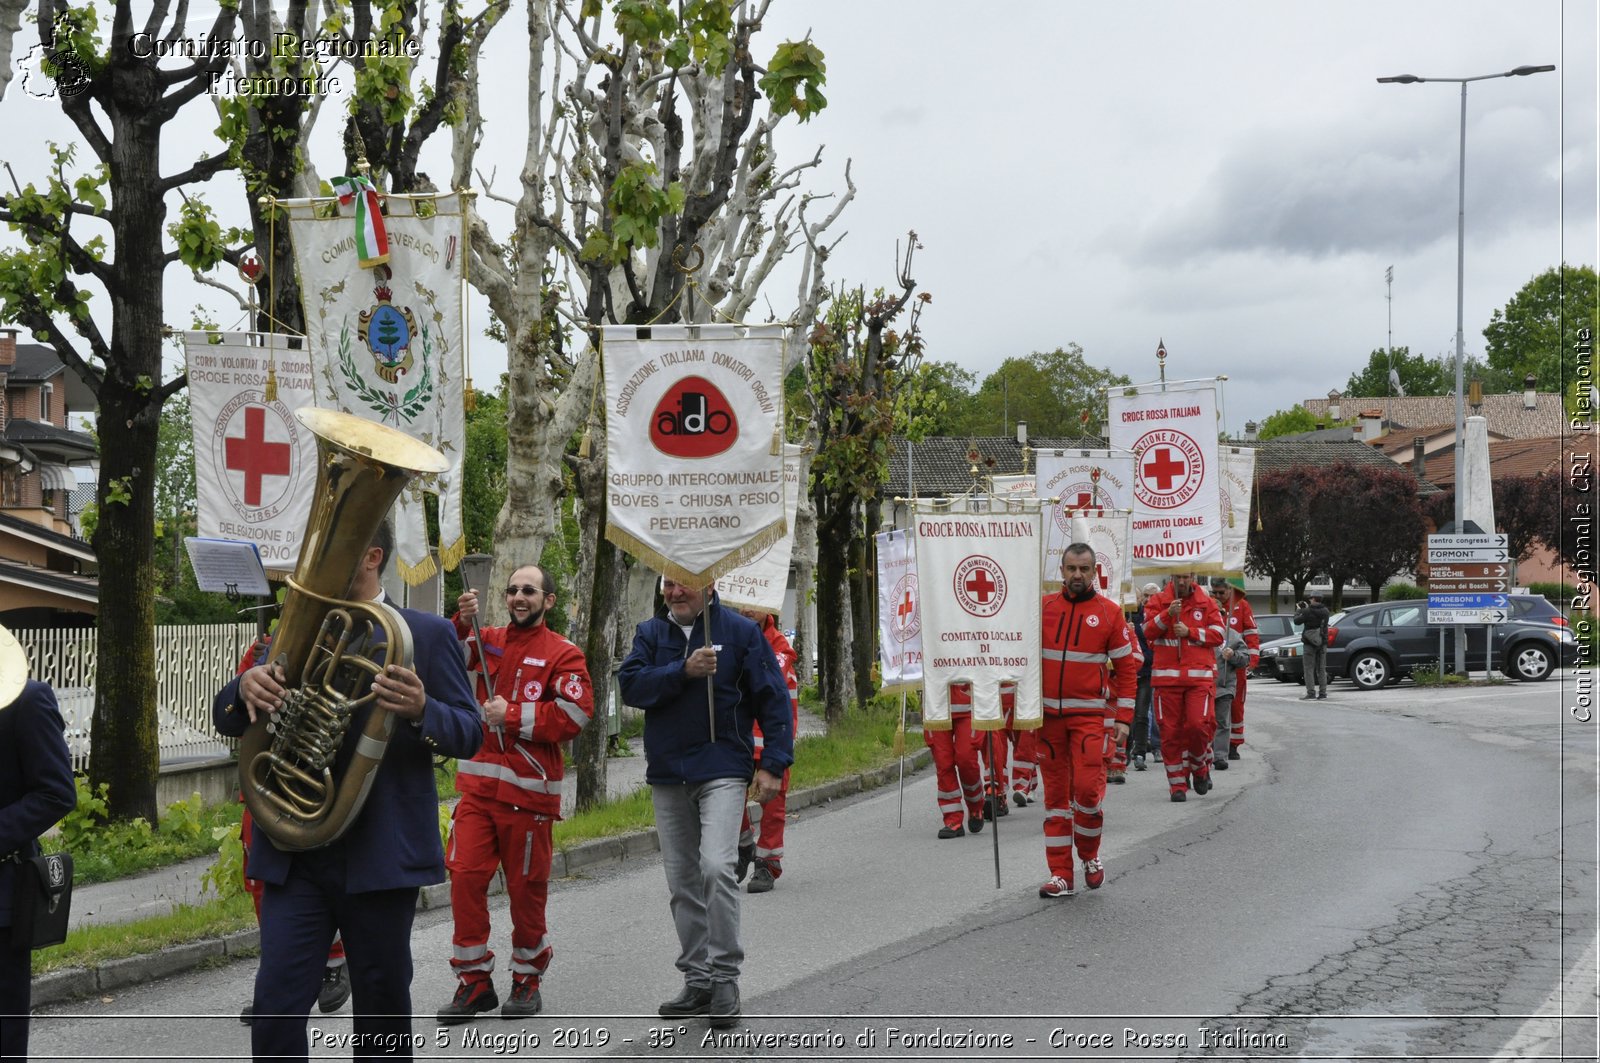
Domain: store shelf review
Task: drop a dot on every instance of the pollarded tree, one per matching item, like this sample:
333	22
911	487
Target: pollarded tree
1279	544
650	149
89	281
855	360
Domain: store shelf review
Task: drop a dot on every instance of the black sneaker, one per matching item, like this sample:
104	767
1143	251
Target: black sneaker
1202	784
335	988
1322	696
952	832
975	824
1179	796
761	881
1219	764
1019	798
472	998
694	1000
524	1002
747	854
1233	753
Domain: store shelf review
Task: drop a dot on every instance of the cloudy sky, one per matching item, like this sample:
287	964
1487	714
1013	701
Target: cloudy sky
1225	175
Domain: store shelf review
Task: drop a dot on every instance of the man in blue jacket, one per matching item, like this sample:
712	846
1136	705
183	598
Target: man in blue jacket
36	790
364	884
702	674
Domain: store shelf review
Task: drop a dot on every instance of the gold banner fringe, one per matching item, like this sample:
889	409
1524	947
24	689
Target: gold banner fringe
936	725
989	725
450	556
414	575
671	569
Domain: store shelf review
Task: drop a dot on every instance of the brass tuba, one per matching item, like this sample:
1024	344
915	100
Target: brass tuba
331	648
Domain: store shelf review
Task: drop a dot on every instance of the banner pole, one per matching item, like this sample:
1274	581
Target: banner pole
901	742
994	813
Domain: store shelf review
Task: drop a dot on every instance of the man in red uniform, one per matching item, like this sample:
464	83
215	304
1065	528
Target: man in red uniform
767	848
1089	681
537	694
957	774
1242	619
1184	627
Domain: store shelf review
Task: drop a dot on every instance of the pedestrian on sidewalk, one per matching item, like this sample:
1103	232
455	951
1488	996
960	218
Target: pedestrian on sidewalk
1312	617
703	674
536	694
764	848
1089	682
1184	627
36	790
365	883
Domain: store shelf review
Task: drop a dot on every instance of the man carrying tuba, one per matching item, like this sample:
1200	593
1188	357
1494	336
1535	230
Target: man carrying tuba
364	883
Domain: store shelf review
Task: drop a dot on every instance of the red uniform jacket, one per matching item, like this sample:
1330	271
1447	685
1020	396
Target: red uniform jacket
1190	661
1242	619
545	681
1089	663
786	664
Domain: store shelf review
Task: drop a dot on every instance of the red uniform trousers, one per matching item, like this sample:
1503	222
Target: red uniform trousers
486	834
955	763
1236	736
1024	760
1072	752
253	887
1188	723
769	841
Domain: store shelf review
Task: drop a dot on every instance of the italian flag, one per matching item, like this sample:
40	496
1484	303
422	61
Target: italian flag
372	239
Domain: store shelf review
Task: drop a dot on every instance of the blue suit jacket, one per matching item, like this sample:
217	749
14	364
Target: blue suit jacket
394	841
36	787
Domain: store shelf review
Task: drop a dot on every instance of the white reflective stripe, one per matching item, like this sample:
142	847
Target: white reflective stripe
527	852
1110	722
1122	651
1086	809
1086	832
506	775
763	853
573	710
1165	642
944	806
949	795
1251	631
1057	813
1218	628
975	788
471	952
530	716
1170	672
1075	656
1200	673
1074	703
529	954
1062	842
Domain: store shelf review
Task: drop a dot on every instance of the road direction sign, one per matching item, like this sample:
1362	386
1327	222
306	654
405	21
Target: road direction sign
1466	586
1452	555
1470	570
1466	601
1466	616
1468	542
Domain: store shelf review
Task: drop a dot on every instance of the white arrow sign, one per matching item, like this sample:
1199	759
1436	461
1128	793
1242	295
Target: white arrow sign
1468	542
1446	555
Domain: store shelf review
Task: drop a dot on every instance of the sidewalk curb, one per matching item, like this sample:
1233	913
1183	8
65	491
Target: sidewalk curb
61	986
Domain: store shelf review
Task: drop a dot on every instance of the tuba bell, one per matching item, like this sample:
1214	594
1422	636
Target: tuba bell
330	648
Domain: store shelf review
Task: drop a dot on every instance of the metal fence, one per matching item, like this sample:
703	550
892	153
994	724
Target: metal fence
193	662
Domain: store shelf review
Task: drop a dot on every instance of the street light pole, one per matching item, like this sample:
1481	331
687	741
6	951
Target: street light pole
1461	275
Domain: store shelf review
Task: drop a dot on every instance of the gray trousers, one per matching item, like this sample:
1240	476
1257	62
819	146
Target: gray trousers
1219	741
1315	663
698	828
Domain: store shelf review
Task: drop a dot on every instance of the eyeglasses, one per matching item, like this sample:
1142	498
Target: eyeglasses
527	589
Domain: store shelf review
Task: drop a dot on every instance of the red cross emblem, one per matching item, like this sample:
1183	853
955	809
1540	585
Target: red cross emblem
980	585
1163	469
1171	469
254	456
906	622
253	450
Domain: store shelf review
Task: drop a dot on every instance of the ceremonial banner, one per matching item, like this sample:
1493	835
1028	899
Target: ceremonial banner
693	461
386	342
979	576
899	612
1108	536
254	462
1010	486
1085	482
760	583
1177	509
1238	476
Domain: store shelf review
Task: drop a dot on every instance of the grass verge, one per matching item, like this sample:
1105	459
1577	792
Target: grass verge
862	741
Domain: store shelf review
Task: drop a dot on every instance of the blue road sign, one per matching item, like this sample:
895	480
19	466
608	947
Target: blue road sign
1468	601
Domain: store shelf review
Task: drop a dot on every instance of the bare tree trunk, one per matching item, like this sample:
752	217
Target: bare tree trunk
863	612
600	581
805	583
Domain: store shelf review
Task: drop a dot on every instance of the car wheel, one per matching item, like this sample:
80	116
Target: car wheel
1530	662
1370	671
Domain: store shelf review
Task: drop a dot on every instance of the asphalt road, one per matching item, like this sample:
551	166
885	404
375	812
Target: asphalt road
1402	873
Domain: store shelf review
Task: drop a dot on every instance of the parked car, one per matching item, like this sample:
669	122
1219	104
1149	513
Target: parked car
1271	627
1381	643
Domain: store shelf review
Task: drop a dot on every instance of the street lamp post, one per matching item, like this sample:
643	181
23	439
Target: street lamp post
1461	247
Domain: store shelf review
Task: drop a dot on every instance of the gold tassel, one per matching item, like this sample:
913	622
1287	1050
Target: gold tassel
585	444
270	392
777	441
469	397
900	739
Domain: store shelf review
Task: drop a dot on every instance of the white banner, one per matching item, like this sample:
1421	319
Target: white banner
1087	482
760	583
386	344
1109	537
254	462
1177	509
979	575
1012	485
899	612
1238	476
693	462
